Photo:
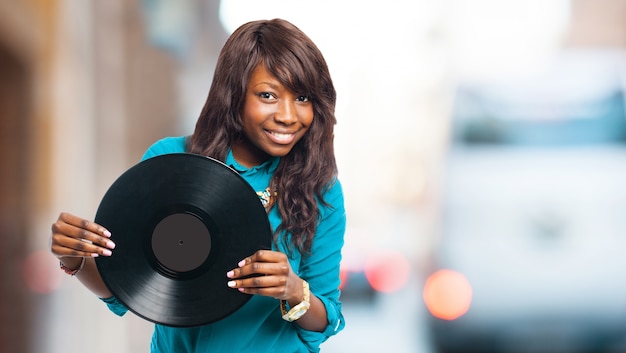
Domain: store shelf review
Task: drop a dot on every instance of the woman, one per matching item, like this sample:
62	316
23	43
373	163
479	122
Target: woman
270	116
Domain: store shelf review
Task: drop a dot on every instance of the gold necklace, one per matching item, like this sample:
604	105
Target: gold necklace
266	196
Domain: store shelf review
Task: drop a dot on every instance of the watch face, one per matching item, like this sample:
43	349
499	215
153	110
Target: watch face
300	310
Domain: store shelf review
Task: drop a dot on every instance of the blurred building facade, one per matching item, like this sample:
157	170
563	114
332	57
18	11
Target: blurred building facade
84	91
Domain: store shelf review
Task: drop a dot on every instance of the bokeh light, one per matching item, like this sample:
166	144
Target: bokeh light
387	272
40	272
447	294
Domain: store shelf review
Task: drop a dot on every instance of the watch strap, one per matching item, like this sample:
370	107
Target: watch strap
300	309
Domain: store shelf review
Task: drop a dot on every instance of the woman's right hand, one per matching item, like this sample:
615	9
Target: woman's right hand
73	236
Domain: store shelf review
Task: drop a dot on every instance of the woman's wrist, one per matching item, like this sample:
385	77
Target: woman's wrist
298	294
71	266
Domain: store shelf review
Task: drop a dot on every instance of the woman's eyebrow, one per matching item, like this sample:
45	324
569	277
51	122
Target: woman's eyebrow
271	84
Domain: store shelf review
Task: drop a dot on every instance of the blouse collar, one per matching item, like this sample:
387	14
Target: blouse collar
269	166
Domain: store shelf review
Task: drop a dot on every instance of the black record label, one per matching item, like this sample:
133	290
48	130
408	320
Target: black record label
180	222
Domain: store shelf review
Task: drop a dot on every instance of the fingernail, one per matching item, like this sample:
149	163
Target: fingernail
106	233
95	255
231	284
106	252
230	274
241	263
110	245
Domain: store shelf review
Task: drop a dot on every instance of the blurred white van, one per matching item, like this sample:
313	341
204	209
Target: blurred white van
533	218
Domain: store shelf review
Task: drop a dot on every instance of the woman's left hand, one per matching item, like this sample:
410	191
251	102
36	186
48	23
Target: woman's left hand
272	276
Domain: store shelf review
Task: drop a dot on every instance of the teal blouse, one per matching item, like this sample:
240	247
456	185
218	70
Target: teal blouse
258	326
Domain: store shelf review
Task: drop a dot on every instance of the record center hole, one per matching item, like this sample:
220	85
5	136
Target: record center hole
189	233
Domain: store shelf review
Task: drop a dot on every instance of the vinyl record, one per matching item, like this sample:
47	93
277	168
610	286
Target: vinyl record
180	222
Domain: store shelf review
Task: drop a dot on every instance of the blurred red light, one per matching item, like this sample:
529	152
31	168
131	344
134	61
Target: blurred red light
387	272
343	278
41	273
447	294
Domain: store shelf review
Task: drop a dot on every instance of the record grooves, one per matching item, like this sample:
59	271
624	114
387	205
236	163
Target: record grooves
180	222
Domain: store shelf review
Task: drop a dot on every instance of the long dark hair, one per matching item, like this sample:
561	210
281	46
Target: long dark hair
309	169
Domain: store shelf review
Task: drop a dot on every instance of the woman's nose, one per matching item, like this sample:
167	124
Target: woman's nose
286	112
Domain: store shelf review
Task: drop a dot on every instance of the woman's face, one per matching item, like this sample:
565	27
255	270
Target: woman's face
273	117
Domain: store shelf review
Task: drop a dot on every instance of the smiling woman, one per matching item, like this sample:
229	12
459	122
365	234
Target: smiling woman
269	116
274	119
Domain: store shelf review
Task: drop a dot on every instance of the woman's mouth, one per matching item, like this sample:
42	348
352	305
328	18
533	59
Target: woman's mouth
281	138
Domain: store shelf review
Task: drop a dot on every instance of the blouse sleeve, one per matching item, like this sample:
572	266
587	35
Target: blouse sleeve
164	146
321	267
115	306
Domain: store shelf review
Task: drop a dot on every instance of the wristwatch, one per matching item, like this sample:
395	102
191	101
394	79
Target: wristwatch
297	311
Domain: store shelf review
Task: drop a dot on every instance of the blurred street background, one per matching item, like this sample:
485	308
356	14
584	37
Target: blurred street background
480	144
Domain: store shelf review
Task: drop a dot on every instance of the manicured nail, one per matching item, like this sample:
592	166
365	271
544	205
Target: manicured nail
241	263
232	284
107	252
110	245
230	274
107	233
95	255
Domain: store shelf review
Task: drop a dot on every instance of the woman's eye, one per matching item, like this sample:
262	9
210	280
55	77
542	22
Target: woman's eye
302	99
265	95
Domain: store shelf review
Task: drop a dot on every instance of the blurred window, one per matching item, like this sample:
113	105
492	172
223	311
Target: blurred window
487	117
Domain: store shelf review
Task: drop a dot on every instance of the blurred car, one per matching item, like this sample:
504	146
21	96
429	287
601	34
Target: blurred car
532	251
367	275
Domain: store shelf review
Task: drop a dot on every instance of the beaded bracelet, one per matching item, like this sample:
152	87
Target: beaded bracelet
73	272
